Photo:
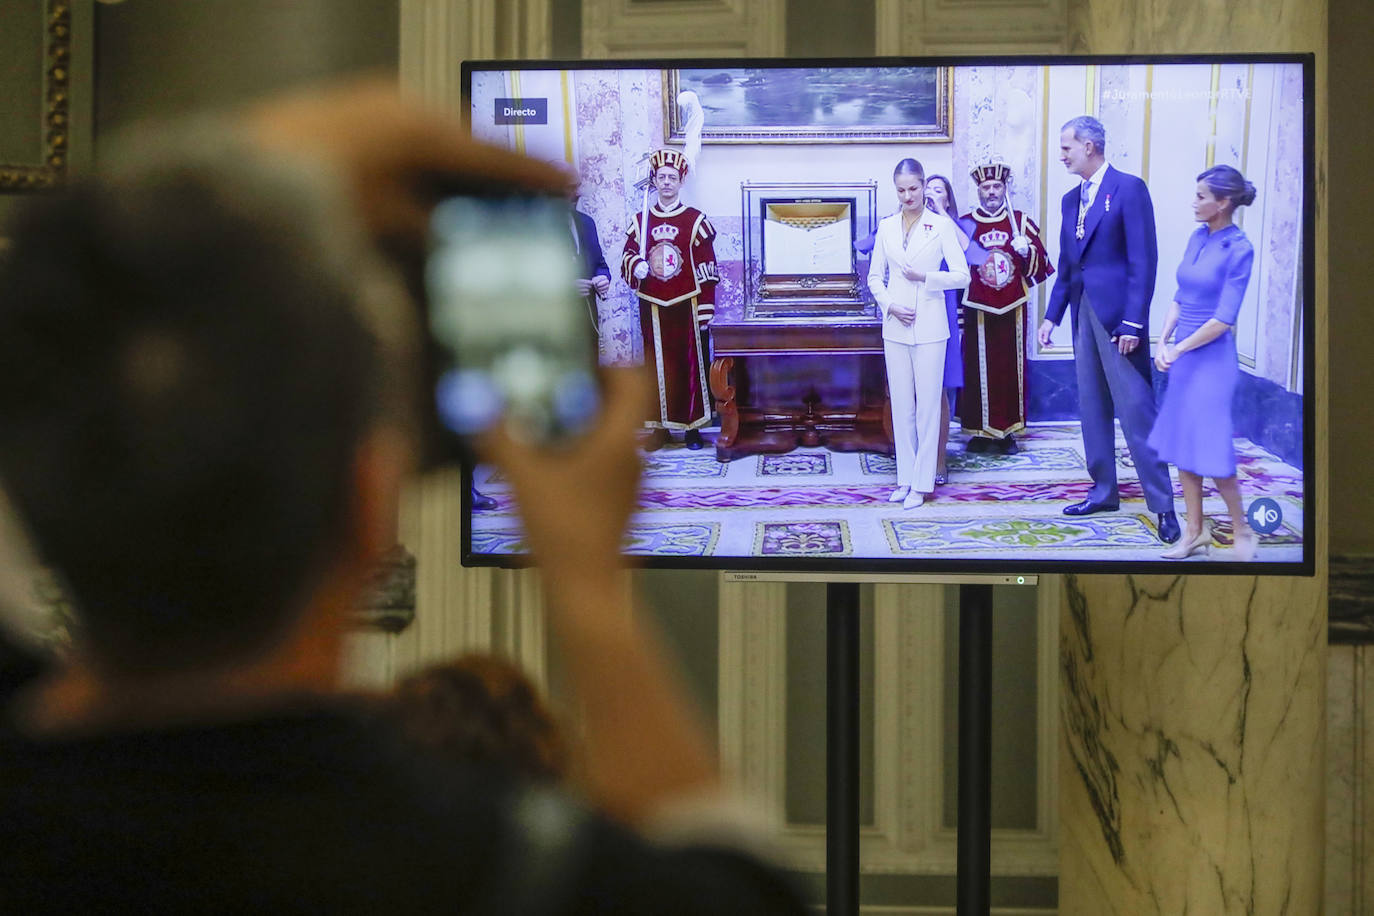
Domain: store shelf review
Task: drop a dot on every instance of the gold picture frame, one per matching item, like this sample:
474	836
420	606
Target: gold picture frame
815	104
47	88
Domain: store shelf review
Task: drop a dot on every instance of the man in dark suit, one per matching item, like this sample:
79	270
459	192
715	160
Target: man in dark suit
595	279
1108	256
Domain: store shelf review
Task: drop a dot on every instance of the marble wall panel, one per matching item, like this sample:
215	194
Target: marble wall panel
1283	231
1147	827
1051	390
619	121
998	118
1192	746
1343	790
1270	416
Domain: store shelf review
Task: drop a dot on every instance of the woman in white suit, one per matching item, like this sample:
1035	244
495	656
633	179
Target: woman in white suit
907	282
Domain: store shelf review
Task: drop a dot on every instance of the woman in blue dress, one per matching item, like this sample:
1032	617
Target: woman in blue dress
940	198
1198	350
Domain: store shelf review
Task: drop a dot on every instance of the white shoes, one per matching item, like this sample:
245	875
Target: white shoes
913	499
899	494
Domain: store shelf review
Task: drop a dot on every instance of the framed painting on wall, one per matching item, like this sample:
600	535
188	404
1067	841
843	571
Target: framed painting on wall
814	104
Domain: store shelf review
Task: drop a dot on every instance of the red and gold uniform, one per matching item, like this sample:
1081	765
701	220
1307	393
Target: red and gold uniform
676	300
992	402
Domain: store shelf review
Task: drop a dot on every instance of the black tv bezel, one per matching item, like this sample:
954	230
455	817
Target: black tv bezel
937	566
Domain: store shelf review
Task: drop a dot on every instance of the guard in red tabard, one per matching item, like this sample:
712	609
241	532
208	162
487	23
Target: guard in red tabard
676	285
1007	258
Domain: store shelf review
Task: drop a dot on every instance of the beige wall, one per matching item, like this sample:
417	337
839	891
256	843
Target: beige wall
1351	211
156	58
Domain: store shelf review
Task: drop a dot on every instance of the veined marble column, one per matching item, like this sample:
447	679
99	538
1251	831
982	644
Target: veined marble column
1191	759
1193	739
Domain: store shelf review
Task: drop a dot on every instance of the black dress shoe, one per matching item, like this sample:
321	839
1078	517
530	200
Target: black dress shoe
482	502
692	439
1088	507
1168	527
978	444
1007	446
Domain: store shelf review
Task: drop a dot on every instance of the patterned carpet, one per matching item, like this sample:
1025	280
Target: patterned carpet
816	503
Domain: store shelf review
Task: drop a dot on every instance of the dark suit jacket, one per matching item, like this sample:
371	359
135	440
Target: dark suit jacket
589	247
1115	261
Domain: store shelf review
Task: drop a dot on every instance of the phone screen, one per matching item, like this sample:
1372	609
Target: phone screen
516	343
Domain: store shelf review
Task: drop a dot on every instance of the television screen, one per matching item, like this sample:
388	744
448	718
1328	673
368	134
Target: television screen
948	315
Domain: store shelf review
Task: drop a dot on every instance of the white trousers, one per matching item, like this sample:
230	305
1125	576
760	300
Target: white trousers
915	373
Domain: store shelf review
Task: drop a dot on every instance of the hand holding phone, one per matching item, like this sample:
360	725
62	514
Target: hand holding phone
515	344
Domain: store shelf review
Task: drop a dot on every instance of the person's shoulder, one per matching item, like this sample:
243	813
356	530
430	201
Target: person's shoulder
1126	179
1240	243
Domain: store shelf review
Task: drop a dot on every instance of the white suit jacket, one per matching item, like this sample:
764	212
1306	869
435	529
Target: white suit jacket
932	239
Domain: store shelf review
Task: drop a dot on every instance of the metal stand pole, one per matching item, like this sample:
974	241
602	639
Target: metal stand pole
975	751
842	749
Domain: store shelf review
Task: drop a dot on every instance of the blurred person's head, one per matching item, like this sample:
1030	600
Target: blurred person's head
196	365
481	710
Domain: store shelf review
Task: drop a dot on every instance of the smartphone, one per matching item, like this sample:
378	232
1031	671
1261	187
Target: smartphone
513	341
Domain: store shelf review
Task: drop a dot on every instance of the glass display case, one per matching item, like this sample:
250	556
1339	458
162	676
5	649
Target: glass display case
799	247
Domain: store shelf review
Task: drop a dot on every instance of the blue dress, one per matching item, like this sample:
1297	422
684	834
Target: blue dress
1193	430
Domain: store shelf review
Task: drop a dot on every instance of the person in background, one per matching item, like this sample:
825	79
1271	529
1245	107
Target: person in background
481	710
208	411
594	279
1011	258
673	272
1108	257
1197	349
907	281
940	198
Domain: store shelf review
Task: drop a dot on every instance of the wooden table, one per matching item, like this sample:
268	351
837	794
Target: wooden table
780	383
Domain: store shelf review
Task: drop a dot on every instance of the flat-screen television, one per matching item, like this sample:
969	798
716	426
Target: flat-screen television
1126	323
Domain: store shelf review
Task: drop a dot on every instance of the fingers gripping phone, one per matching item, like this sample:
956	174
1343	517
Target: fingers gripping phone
514	343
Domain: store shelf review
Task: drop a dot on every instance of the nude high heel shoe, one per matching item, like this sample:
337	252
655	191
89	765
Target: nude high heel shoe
899	494
1187	548
913	499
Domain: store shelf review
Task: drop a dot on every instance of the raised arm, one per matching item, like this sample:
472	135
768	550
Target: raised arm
646	747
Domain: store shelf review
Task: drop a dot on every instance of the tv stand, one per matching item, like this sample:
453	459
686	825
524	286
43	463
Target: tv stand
973	871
